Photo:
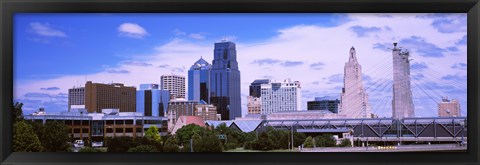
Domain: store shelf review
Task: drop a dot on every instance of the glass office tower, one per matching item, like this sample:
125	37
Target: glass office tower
151	101
198	81
225	81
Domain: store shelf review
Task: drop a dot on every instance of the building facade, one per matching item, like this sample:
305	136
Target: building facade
98	126
206	111
255	87
353	99
402	103
109	96
151	101
281	97
180	107
449	108
225	81
76	97
199	81
321	103
254	105
175	84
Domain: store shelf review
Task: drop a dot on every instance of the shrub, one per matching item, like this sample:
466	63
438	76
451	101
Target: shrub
143	148
345	143
308	142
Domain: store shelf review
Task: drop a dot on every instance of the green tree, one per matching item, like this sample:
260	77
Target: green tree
211	143
325	140
280	137
171	145
152	134
143	148
120	144
298	139
24	138
308	142
197	143
89	149
345	143
185	133
17	112
56	138
38	128
262	143
146	141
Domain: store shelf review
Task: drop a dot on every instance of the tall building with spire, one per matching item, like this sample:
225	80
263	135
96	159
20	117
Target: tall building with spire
225	81
402	103
199	81
354	99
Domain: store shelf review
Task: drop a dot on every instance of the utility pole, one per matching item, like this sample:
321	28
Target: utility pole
292	136
191	146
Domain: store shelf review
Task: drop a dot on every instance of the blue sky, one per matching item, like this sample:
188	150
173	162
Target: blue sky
54	52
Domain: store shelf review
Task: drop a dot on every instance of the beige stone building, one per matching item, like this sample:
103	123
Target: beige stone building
354	99
254	105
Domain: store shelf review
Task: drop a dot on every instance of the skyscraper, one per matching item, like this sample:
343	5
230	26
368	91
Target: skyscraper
109	96
225	81
255	87
76	97
324	103
402	103
151	101
175	84
199	81
449	108
354	99
281	97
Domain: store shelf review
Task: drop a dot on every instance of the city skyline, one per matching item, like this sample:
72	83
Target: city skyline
436	41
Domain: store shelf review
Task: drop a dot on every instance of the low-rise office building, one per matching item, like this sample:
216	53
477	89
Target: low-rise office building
98	126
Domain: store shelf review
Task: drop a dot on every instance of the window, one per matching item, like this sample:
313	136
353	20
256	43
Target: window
118	130
128	130
109	130
129	122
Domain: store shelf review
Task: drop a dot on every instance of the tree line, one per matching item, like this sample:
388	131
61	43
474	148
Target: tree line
53	136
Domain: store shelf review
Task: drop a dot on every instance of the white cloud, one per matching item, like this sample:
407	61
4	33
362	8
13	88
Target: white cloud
310	44
197	36
178	32
132	30
44	29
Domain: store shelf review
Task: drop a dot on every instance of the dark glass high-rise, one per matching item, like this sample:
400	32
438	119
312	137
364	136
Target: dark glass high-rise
225	81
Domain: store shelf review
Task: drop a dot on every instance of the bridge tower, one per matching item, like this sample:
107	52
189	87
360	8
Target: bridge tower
402	103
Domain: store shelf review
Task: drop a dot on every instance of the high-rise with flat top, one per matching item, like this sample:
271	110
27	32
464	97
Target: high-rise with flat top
225	81
402	103
448	108
175	84
109	96
76	97
281	96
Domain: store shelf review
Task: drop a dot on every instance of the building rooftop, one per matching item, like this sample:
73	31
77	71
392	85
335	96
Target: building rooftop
200	64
